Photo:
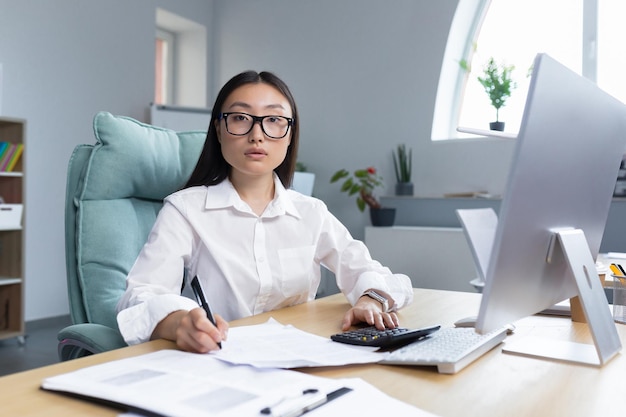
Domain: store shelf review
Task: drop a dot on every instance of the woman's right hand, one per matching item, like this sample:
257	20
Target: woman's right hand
192	330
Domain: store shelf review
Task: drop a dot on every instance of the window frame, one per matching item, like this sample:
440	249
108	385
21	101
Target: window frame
188	60
169	38
464	31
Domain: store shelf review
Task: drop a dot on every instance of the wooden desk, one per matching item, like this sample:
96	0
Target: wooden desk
497	384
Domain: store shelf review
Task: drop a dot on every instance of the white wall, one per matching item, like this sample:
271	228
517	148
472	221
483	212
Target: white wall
364	74
63	61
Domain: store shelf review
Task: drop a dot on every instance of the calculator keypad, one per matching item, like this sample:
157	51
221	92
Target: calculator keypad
371	336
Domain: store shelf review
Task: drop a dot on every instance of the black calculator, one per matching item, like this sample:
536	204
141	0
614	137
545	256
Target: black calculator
371	336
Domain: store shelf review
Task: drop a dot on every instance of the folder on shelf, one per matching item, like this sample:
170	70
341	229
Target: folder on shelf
6	157
10	155
15	157
3	148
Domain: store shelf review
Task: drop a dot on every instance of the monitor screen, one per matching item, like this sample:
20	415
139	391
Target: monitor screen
568	151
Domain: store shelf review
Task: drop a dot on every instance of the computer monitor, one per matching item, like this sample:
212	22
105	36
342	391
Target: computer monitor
555	205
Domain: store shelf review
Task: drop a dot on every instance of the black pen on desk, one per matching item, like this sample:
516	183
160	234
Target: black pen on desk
199	293
309	400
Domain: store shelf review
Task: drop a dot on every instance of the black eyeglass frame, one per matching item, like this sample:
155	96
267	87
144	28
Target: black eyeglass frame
255	119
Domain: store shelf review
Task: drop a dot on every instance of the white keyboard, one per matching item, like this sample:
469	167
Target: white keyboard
449	349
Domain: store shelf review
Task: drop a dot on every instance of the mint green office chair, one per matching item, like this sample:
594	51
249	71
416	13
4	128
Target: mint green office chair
115	189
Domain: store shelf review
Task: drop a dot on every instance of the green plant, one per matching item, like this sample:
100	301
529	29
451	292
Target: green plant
362	182
301	167
497	82
403	163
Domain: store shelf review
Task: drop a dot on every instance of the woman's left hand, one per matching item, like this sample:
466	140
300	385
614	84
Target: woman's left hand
368	310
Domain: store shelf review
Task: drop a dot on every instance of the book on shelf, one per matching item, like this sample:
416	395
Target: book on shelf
10	154
3	149
15	157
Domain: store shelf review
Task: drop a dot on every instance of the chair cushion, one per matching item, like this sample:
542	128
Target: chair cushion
132	167
133	159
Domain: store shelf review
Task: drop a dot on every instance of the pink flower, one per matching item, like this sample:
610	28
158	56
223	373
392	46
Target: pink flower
362	183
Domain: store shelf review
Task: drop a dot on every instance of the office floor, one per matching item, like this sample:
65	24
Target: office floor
40	348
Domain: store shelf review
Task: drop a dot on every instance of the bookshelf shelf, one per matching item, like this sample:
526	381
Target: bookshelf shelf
9	281
13	132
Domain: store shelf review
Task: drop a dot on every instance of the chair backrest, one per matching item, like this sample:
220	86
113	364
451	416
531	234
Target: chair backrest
115	190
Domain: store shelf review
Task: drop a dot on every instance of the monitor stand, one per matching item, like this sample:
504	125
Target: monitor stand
573	244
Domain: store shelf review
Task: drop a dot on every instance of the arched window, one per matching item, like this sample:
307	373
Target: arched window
584	35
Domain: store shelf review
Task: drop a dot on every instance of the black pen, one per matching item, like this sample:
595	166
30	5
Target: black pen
199	293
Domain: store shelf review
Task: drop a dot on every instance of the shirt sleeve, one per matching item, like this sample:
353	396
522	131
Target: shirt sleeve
137	323
153	285
355	270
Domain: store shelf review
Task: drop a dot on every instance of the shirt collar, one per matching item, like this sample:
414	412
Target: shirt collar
224	195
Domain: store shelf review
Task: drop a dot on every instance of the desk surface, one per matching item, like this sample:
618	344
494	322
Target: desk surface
498	384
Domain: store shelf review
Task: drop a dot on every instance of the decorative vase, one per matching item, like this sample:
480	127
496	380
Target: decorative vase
404	188
499	126
382	217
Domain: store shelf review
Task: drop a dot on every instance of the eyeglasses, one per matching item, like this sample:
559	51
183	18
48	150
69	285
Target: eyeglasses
239	124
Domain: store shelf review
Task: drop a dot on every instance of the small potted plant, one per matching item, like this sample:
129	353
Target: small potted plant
362	183
403	164
497	82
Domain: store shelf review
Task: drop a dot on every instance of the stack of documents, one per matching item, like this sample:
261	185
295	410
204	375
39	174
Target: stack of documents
182	384
274	345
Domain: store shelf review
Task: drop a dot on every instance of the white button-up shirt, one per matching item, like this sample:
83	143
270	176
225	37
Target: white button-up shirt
247	264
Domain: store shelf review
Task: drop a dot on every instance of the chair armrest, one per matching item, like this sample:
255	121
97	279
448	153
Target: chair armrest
85	339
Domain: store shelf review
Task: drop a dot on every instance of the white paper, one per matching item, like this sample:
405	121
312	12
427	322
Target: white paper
182	384
365	401
176	383
274	345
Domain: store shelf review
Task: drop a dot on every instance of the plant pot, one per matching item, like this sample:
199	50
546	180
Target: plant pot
404	188
499	126
382	217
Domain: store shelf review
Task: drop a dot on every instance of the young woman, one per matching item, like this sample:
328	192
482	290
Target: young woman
254	244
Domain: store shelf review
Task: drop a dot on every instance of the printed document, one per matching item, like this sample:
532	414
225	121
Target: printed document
274	345
181	384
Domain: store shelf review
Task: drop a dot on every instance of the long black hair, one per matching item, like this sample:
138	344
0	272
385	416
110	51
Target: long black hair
212	168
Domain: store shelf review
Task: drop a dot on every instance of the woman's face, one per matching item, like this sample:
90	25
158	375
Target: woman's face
254	153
